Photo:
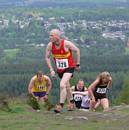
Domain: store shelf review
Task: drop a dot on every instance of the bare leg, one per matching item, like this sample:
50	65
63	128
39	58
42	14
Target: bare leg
97	104
69	92
92	105
63	85
42	99
105	104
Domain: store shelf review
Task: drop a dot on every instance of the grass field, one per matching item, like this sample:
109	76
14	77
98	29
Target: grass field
23	117
11	53
8	55
126	51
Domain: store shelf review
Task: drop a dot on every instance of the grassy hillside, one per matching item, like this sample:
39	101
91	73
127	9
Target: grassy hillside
24	118
8	55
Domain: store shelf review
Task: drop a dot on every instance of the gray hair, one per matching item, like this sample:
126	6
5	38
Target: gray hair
56	31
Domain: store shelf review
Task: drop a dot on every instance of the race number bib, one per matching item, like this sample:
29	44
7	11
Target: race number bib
41	88
101	90
62	63
78	97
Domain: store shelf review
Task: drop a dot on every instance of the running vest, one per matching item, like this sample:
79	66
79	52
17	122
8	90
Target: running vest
85	102
78	97
62	58
39	87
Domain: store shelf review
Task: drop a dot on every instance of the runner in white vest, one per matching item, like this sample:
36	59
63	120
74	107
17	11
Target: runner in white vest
81	95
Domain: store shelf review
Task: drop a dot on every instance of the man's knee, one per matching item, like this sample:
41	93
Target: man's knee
62	85
68	89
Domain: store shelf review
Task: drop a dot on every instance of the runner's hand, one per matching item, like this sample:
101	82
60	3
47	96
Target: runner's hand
52	73
45	97
93	100
77	68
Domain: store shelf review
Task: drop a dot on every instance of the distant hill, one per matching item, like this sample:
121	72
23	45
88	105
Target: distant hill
10	3
92	1
77	3
65	3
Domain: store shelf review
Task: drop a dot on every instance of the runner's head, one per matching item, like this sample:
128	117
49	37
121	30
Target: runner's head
39	75
55	35
80	84
105	77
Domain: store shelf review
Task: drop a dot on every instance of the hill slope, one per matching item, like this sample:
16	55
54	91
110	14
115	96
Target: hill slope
24	118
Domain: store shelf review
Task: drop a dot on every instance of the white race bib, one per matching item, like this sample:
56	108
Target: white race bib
78	97
101	90
62	63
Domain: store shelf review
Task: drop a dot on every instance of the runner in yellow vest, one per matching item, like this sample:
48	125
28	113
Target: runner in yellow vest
40	86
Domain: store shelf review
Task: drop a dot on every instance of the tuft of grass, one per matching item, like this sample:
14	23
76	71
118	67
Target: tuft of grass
32	101
4	104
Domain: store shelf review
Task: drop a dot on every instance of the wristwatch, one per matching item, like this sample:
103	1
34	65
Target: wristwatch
77	65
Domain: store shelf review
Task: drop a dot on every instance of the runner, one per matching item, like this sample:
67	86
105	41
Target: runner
81	95
98	90
40	86
61	51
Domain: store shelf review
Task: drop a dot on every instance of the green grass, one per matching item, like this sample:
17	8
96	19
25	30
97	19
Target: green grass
23	117
9	55
127	50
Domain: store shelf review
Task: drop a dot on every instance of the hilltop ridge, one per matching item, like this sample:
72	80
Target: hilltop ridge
65	3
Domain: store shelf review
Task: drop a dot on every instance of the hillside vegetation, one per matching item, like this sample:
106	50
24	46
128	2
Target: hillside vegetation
25	33
22	117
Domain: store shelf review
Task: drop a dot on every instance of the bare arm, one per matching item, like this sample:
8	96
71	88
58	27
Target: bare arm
72	88
30	86
109	83
81	93
78	92
92	87
47	56
71	46
49	84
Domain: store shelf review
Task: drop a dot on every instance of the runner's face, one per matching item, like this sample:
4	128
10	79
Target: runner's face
54	38
39	78
80	85
105	80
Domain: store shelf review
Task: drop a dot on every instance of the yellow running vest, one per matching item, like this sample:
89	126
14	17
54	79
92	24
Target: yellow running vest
39	87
